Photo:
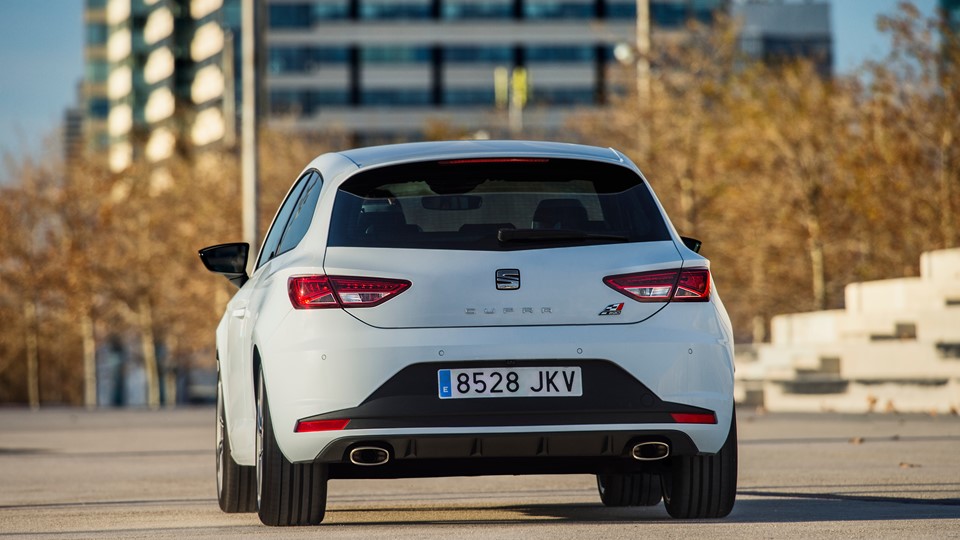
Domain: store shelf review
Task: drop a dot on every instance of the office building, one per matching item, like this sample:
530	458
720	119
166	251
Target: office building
165	81
777	31
951	10
163	73
384	68
94	104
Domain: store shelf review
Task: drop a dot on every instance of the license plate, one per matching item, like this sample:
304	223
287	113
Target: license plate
510	382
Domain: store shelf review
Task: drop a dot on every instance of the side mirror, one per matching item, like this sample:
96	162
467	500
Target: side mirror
692	243
229	260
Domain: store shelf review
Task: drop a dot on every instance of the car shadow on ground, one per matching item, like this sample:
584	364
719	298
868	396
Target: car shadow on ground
756	508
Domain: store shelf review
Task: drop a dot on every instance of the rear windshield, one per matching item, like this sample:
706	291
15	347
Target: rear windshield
495	205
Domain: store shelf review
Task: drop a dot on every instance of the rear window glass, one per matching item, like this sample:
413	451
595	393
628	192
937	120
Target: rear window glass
495	205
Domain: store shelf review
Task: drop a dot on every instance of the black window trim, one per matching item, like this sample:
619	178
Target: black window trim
262	257
303	193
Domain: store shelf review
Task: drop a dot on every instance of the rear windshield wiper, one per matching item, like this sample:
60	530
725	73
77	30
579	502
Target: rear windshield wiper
553	235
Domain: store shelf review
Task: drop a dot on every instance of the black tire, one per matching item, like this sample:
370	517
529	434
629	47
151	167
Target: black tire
236	484
703	486
641	489
287	493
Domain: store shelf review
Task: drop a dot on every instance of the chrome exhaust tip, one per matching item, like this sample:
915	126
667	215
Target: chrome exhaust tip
650	451
369	456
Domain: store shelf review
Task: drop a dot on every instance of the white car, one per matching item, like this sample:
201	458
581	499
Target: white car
473	308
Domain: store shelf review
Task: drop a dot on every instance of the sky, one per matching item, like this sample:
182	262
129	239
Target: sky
41	60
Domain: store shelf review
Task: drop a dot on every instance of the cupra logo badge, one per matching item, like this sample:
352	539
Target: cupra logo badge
508	279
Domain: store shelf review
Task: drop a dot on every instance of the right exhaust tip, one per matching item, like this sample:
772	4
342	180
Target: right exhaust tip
650	451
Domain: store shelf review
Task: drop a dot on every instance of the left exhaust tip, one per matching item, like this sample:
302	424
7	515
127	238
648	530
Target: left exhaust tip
369	456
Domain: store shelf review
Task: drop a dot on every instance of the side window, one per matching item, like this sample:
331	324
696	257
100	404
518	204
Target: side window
270	245
302	215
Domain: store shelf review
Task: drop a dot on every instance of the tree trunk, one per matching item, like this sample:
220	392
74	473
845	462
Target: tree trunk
89	360
149	349
33	354
818	271
947	224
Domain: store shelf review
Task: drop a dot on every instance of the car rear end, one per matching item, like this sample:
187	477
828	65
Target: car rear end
497	314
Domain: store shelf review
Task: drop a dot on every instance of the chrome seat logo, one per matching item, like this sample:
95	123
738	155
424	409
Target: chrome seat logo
508	279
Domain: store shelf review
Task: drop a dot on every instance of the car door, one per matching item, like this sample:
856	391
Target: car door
241	318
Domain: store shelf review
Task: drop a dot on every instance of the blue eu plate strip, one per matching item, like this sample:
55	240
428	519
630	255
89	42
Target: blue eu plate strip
444	378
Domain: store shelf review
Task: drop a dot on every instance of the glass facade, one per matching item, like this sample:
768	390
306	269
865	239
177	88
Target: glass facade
569	62
668	13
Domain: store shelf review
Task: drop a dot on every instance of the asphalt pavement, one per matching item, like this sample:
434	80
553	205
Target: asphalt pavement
68	473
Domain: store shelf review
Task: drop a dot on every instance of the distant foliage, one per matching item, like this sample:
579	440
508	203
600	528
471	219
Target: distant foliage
800	184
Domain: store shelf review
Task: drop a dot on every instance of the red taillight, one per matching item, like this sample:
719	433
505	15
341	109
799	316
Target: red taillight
694	418
690	285
318	292
310	426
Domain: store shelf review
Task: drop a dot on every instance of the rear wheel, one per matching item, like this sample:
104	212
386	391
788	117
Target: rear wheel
703	486
641	489
236	484
287	493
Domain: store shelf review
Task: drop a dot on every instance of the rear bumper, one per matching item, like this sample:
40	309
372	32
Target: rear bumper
326	364
520	453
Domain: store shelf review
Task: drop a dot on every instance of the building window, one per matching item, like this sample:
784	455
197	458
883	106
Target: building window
561	53
493	54
96	34
558	9
289	16
706	11
667	14
477	9
562	96
396	97
468	96
394	9
394	55
97	71
304	59
98	107
330	10
305	102
783	49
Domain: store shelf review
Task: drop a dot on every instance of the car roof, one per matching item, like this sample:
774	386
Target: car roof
399	153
